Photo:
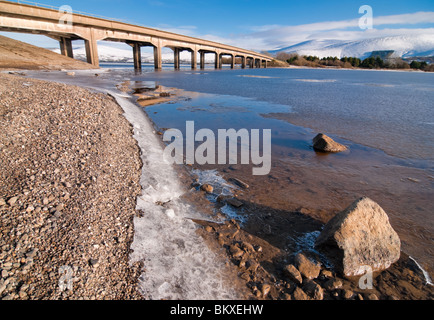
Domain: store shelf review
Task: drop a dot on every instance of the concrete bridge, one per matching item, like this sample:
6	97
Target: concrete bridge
65	27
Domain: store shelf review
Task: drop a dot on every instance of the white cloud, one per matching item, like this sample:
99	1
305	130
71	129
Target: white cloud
269	37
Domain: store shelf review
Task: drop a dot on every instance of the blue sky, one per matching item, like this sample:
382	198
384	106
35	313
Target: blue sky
262	25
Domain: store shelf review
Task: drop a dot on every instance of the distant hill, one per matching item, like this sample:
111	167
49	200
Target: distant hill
15	54
383	54
402	46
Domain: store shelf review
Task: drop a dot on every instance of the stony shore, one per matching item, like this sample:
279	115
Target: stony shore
276	264
69	177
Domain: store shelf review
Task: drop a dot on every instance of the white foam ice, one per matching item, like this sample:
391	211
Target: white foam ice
232	213
306	242
212	177
177	262
425	274
221	187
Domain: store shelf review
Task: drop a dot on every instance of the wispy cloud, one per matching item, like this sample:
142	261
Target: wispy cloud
269	37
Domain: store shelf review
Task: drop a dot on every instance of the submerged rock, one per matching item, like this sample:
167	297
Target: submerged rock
207	188
239	182
234	202
359	237
324	143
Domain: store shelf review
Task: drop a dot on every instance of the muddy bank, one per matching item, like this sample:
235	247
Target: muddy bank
69	177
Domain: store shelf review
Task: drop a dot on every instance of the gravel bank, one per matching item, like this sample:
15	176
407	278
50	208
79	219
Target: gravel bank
69	177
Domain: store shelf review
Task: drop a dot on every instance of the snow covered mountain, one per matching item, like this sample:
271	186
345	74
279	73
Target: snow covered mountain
114	52
403	46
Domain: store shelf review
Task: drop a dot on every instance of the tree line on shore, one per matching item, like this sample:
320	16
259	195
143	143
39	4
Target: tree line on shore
353	62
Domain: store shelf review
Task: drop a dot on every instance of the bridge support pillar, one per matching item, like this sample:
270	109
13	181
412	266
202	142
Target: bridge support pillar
66	47
265	63
217	60
176	52
243	62
194	59
137	56
258	63
202	59
157	58
91	48
91	52
232	61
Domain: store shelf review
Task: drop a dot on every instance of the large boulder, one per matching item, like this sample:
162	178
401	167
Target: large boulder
360	237
324	143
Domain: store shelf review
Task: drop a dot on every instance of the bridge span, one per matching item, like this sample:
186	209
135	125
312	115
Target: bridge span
65	27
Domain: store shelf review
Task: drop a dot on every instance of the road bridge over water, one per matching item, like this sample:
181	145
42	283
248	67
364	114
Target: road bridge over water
66	26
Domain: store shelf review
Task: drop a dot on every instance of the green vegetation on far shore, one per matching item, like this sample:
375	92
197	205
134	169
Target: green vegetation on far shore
352	62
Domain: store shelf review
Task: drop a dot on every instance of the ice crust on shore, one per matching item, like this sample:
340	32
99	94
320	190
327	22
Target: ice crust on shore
220	185
425	274
177	262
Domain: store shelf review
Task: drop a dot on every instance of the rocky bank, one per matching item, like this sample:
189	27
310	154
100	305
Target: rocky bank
69	177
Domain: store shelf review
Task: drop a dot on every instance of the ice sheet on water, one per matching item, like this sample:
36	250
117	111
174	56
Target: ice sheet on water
232	213
221	187
212	177
306	242
425	274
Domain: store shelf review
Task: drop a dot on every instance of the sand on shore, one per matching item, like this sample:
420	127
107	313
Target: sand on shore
69	178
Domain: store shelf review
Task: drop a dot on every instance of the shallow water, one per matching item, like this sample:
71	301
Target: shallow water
390	111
